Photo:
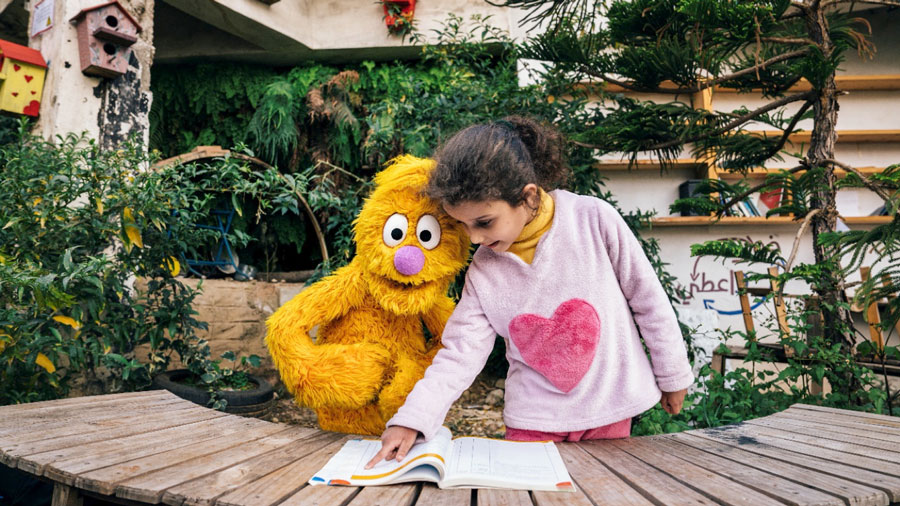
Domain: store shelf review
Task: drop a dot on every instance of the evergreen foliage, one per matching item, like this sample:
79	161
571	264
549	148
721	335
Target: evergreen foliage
683	48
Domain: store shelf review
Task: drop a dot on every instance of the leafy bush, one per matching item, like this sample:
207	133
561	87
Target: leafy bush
78	227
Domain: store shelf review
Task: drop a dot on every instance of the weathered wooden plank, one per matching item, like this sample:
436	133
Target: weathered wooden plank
65	496
150	487
207	442
850	481
11	423
721	489
88	400
431	495
814	426
63	423
10	455
204	491
841	420
649	481
769	476
319	496
831	440
544	498
598	482
888	420
390	495
495	497
73	460
283	482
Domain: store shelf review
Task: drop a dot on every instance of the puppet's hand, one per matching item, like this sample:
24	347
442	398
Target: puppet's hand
346	376
393	395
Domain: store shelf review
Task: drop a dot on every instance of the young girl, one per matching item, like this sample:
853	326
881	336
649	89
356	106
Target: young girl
564	281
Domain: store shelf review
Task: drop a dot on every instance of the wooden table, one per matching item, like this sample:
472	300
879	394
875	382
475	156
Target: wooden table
152	447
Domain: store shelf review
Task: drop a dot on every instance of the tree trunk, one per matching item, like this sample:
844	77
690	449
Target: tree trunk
824	136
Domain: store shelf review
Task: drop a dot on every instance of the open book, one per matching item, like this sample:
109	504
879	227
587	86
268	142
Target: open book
464	462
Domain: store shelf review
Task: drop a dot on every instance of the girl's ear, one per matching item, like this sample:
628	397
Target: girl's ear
531	196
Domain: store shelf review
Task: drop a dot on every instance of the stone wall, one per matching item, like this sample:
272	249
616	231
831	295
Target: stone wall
236	313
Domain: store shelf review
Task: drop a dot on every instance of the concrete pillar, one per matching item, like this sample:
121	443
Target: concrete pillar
109	110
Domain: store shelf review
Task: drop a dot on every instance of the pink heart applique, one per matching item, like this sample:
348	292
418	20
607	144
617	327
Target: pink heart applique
28	78
562	347
16	67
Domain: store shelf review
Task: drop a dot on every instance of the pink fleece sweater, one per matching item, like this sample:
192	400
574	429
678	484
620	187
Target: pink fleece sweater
570	320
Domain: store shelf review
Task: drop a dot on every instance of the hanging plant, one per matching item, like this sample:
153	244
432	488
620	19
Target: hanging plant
398	16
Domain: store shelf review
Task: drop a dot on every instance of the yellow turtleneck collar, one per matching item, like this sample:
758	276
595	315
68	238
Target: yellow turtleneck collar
527	241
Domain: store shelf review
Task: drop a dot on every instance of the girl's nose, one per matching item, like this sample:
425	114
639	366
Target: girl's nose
409	260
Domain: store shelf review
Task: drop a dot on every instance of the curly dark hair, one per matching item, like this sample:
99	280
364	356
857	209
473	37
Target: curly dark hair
494	161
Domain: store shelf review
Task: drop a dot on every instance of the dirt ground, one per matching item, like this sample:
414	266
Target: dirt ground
476	413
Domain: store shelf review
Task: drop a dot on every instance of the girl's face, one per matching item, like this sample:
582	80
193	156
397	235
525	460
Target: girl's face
494	223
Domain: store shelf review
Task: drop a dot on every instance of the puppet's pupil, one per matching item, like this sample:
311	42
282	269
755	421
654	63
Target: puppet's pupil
396	234
425	236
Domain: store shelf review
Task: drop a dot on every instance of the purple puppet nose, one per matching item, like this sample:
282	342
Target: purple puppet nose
409	260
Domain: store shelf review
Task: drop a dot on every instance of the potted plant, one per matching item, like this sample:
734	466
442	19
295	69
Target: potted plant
398	16
208	383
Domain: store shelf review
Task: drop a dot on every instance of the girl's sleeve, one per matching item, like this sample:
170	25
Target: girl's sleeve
649	303
468	339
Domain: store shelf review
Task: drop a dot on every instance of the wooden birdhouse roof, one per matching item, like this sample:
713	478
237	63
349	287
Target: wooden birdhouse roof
83	12
24	54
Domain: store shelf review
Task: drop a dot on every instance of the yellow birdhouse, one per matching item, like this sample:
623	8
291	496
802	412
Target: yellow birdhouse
22	72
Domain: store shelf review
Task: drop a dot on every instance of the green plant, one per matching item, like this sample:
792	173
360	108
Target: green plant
215	378
90	246
78	224
402	24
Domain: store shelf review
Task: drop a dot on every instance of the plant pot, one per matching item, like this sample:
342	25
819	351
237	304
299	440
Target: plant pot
253	402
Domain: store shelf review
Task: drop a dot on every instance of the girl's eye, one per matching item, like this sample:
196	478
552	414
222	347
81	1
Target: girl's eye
428	230
483	224
394	230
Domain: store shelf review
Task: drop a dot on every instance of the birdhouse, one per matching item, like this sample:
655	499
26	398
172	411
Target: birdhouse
22	72
105	35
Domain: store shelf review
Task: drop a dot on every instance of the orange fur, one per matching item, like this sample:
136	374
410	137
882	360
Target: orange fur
370	346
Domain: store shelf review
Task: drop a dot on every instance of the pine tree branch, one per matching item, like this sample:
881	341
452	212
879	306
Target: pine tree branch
786	40
701	86
756	188
806	221
866	181
894	3
807	95
790	128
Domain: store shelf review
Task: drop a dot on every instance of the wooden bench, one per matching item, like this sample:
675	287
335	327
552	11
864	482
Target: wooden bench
152	447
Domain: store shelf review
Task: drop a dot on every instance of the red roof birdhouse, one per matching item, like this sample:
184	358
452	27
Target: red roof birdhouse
22	72
105	35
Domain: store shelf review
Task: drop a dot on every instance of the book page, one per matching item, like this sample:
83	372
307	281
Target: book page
506	464
424	462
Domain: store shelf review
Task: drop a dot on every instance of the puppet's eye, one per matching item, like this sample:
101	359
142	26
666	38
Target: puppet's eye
428	230
395	230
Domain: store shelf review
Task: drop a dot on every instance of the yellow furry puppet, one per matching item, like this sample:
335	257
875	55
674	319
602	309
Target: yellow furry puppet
370	347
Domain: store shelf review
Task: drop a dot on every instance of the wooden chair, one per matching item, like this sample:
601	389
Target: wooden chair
780	352
873	318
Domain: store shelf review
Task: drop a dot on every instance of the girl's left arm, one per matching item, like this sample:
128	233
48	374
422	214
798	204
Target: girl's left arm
649	303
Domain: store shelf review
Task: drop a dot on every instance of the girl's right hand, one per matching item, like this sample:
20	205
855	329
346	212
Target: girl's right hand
395	443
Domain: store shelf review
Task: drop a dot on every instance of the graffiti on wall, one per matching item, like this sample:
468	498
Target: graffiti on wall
714	286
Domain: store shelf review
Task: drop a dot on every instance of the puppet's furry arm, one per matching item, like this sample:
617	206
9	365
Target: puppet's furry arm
409	370
337	375
435	319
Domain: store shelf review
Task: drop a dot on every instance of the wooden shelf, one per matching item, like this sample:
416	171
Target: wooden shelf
619	165
874	82
843	135
883	82
762	173
693	221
